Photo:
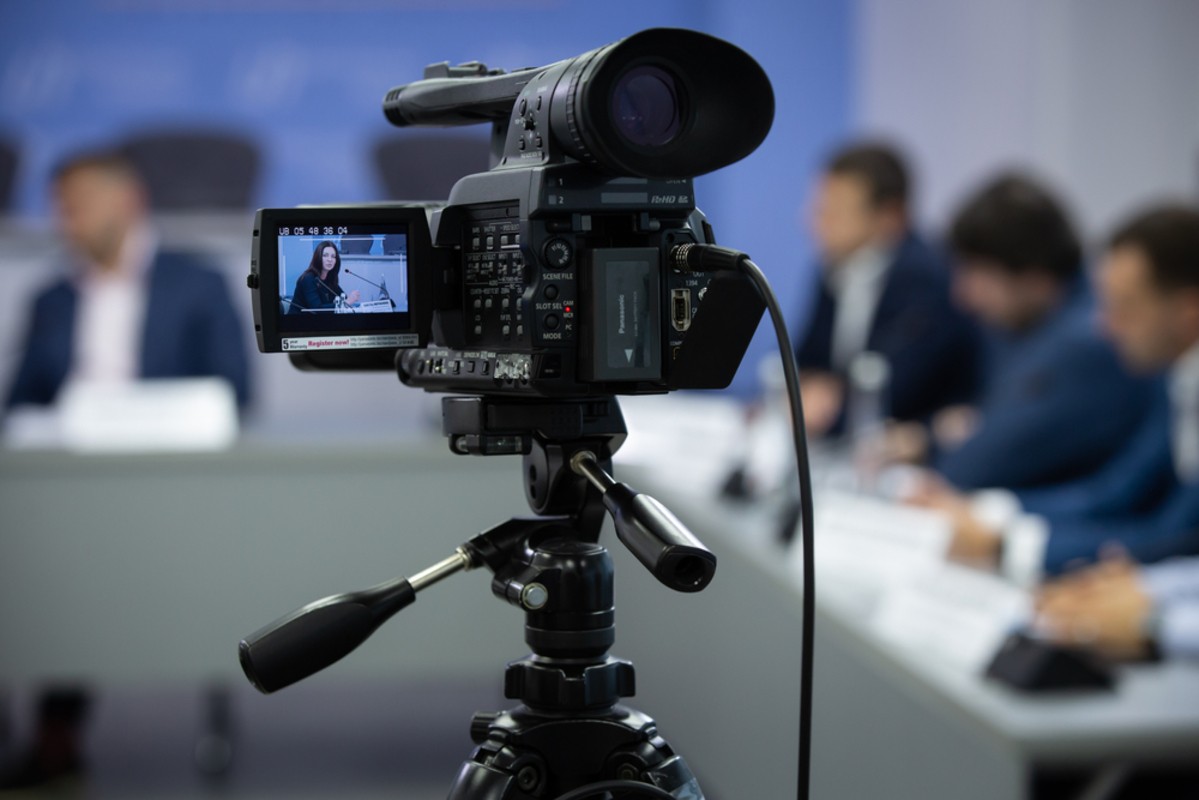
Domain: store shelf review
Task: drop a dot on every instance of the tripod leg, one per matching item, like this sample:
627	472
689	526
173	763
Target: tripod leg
674	776
525	755
481	782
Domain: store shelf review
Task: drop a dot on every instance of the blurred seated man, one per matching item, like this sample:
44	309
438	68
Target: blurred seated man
881	289
1056	402
1146	500
1126	611
126	309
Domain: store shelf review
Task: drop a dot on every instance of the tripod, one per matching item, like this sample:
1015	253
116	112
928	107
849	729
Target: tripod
570	737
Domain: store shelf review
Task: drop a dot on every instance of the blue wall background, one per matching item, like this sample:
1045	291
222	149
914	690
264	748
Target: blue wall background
306	78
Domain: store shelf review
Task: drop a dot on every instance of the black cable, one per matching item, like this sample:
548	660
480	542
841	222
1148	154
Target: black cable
707	258
800	437
639	789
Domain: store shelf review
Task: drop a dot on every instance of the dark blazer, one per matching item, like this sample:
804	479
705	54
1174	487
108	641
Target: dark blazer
932	347
1136	500
191	330
310	293
1056	406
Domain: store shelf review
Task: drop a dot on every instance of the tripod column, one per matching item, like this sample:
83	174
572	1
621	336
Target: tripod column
566	589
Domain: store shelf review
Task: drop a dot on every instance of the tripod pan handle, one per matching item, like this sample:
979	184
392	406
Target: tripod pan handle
318	634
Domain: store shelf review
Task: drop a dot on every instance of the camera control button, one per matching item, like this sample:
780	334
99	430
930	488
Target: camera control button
552	321
558	253
551	291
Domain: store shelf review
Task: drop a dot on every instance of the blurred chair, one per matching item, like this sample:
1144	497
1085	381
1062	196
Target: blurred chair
426	166
9	159
189	170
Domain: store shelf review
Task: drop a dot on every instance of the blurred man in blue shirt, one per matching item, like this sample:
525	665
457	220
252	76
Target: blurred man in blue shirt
881	289
1145	501
1018	269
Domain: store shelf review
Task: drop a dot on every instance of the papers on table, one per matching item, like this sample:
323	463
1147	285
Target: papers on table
693	441
158	415
884	566
879	564
953	614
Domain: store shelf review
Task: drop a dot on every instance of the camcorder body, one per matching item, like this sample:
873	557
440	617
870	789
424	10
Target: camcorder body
552	274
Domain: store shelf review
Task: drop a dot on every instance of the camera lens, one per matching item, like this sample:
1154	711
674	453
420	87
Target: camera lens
663	103
645	106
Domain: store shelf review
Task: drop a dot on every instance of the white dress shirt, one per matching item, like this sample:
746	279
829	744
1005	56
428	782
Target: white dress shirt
1174	587
111	314
1184	407
856	286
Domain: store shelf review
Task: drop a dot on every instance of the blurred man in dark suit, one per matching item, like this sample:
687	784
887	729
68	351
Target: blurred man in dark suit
1145	501
882	290
1057	404
127	310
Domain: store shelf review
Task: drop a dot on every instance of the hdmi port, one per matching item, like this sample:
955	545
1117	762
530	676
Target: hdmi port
680	309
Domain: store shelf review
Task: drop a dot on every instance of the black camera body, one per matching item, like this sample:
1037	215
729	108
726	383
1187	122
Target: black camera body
568	290
552	274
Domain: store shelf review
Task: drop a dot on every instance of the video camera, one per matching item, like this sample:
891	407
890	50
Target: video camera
559	271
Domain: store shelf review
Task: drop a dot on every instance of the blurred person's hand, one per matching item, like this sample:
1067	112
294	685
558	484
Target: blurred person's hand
354	296
905	443
823	395
954	425
1104	607
974	543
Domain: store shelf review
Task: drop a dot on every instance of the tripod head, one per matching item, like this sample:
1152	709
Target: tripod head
567	447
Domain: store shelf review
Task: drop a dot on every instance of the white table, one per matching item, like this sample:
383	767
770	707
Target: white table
137	572
889	721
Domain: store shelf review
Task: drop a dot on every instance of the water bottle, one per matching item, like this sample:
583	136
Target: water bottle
869	390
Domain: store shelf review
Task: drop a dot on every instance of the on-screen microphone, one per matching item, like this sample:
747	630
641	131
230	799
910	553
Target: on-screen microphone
383	293
337	295
364	280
